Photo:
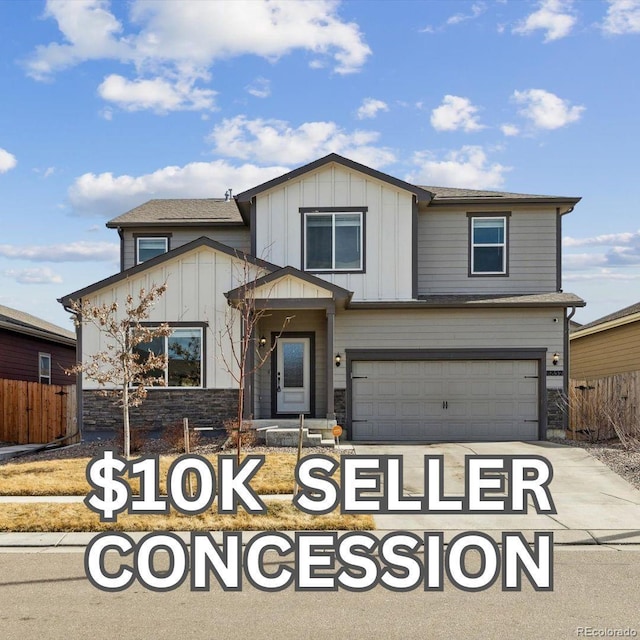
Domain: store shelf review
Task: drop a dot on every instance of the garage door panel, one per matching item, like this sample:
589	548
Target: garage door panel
445	400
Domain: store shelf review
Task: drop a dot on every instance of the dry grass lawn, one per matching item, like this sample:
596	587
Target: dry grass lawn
281	516
66	477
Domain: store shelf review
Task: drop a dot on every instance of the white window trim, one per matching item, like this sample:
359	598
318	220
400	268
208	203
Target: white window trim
166	360
40	376
502	244
166	245
333	268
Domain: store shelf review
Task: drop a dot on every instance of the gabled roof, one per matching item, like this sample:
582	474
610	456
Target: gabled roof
420	192
186	211
617	318
338	293
165	257
25	323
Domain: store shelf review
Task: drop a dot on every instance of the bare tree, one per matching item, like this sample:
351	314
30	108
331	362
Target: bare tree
249	313
127	363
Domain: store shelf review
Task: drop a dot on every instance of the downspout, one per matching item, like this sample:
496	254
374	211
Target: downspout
565	373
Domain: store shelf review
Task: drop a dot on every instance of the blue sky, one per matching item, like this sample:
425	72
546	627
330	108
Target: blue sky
108	104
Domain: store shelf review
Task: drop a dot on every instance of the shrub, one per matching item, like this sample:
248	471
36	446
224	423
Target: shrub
139	438
173	436
248	437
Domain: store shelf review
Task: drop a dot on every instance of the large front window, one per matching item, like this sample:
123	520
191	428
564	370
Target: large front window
488	246
333	241
183	357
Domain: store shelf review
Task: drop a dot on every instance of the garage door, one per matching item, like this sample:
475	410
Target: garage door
445	400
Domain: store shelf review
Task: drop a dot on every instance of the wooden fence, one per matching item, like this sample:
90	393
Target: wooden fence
594	405
33	413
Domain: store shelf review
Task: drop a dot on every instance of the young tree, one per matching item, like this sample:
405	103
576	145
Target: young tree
236	361
127	363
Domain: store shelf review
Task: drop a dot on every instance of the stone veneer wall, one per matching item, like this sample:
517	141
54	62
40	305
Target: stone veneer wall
556	407
162	407
340	408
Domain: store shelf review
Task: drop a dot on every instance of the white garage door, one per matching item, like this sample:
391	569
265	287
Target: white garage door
445	400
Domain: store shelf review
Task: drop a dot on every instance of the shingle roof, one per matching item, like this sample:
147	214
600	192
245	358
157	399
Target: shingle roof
616	315
185	210
455	193
23	322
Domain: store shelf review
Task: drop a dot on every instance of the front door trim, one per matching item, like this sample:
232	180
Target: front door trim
312	371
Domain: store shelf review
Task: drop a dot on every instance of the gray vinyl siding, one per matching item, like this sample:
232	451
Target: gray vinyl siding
305	321
236	237
443	252
451	329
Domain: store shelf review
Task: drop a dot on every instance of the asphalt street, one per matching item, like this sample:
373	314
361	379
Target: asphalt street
44	593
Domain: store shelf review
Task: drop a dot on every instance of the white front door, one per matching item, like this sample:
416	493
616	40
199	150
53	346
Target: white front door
293	375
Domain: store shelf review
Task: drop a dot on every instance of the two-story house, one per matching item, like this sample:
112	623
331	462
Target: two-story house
417	313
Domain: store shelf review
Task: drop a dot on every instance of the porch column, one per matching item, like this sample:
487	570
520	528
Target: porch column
248	378
331	317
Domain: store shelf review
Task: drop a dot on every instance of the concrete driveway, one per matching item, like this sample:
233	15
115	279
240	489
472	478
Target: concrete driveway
594	505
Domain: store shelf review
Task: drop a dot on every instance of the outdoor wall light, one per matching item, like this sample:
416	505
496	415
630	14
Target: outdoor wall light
338	359
556	358
262	342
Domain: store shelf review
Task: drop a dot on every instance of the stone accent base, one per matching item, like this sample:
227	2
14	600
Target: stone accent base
340	406
162	407
556	411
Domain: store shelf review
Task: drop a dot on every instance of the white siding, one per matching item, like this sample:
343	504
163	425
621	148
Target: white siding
290	287
196	282
443	252
387	228
450	329
235	237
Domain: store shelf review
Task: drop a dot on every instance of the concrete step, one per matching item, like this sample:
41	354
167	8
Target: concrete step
288	437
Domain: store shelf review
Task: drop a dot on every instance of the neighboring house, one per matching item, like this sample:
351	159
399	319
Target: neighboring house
34	350
607	346
418	313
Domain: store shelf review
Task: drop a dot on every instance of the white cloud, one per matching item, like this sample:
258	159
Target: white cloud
36	275
260	88
159	95
510	129
553	16
477	9
72	252
546	110
455	113
108	195
172	44
623	16
608	239
7	161
370	108
276	141
620	250
466	167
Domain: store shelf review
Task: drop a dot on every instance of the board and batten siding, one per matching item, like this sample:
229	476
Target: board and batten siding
387	241
290	287
615	350
236	237
451	329
443	252
196	283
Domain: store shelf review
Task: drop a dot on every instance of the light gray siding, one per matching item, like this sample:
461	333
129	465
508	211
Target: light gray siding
451	329
233	236
443	252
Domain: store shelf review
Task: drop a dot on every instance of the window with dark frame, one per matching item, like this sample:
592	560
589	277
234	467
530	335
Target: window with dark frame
333	241
183	357
44	368
488	245
147	248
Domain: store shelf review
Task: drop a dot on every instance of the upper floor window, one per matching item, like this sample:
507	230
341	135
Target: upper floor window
182	352
44	368
333	240
488	250
147	248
